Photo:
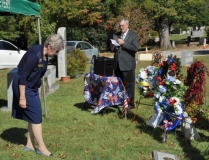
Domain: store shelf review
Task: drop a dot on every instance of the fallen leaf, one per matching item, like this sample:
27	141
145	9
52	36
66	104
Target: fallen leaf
90	124
56	144
102	155
63	156
122	146
16	155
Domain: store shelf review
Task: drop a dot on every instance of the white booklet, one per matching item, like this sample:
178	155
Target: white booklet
114	42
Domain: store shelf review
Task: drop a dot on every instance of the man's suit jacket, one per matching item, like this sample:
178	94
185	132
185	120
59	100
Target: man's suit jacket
125	54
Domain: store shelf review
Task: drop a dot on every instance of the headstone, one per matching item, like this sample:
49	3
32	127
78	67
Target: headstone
188	128
184	32
62	60
166	53
186	57
204	42
144	57
201	41
45	84
10	77
197	33
49	79
157	39
164	156
53	86
173	44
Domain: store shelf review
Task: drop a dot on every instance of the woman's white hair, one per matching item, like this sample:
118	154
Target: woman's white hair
55	41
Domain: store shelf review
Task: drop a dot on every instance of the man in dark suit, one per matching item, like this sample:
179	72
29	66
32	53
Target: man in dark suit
124	57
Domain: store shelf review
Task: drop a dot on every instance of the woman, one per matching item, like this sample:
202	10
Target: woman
26	101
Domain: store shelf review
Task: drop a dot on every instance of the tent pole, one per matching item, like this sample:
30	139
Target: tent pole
43	83
39	31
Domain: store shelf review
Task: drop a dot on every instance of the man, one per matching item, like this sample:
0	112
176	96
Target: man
124	57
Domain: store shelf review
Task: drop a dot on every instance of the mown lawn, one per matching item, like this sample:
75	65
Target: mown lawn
75	134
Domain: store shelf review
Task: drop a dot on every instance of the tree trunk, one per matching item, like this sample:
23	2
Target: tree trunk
164	36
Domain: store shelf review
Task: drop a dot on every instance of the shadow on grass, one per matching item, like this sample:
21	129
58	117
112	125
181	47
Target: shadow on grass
155	133
202	124
14	135
190	152
3	103
84	106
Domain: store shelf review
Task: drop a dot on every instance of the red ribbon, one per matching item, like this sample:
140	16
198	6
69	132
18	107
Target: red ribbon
167	124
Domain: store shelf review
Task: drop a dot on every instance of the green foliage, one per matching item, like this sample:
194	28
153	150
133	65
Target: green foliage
153	33
28	25
76	62
80	58
138	22
9	28
97	37
72	66
177	27
207	31
165	13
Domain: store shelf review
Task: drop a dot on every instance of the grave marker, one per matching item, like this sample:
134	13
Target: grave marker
166	53
164	156
61	57
186	57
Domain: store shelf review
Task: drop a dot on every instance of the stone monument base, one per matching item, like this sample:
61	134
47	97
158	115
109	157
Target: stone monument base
163	156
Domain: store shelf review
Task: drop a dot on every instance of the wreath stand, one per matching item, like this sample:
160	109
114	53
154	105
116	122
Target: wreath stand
157	58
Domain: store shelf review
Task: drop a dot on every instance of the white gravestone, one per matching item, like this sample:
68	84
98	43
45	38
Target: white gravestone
164	156
197	33
62	60
144	57
53	86
10	77
186	57
50	85
166	53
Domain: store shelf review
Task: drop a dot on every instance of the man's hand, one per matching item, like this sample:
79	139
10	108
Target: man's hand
120	41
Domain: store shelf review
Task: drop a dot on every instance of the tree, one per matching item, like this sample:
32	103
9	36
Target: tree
167	12
139	22
113	10
8	28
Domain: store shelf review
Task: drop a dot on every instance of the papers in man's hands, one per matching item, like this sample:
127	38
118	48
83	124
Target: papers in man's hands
114	42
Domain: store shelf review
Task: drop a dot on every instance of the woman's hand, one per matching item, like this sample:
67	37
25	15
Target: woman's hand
22	103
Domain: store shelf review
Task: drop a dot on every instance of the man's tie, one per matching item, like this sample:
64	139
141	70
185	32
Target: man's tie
122	36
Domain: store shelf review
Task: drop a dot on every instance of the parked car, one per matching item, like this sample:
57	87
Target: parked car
10	55
90	51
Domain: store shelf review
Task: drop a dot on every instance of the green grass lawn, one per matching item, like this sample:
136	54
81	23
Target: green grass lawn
75	134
